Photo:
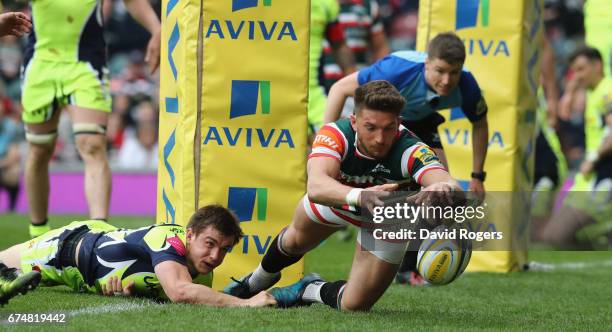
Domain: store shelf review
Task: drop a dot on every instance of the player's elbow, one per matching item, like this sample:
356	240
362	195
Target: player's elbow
314	191
178	294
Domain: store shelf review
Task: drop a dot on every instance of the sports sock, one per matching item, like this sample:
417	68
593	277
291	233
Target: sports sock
330	293
410	262
260	279
276	258
312	292
39	229
273	262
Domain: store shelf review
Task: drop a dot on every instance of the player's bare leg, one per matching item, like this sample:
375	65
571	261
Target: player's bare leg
41	144
11	257
91	144
369	279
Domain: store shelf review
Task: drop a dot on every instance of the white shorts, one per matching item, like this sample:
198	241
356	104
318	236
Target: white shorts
387	250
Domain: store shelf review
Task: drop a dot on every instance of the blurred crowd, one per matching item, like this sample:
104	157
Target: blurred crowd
132	129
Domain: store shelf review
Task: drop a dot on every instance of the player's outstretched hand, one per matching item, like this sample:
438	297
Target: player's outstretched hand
153	51
262	299
437	193
372	196
14	23
114	287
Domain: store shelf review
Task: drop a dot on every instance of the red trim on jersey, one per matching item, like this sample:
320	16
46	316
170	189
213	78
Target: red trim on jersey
427	170
345	218
411	160
320	154
313	207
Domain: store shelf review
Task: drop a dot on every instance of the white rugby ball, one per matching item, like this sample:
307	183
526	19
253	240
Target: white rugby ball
440	261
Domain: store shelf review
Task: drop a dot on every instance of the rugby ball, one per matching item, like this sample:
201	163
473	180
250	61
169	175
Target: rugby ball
442	260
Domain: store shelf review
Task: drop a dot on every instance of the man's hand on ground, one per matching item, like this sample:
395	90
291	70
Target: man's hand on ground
262	299
114	287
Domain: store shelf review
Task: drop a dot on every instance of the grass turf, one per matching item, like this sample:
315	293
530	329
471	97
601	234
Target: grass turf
563	299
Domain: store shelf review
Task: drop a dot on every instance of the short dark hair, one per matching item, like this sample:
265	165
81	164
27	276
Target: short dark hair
222	219
591	53
448	47
379	96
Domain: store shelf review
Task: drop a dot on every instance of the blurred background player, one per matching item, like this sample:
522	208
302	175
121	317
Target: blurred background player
428	82
65	66
550	164
164	262
10	159
364	32
353	163
589	201
324	26
11	24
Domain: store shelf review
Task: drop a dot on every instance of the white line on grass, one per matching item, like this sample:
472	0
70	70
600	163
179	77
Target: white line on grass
111	308
538	266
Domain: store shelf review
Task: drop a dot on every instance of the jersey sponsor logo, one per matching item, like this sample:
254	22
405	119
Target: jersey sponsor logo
481	107
243	201
425	155
326	140
177	244
380	168
249	98
244	4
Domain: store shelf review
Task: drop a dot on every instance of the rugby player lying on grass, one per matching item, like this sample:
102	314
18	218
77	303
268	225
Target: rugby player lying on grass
168	262
370	153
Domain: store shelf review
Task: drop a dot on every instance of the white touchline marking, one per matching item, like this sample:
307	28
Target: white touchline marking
538	266
111	308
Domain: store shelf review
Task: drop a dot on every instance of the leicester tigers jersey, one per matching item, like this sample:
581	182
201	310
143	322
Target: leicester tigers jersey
132	254
406	163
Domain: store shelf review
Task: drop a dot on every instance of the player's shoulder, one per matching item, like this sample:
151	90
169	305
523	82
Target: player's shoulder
467	81
333	139
406	140
161	235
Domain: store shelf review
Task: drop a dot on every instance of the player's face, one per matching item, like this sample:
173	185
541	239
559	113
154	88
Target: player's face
206	251
376	132
441	76
585	71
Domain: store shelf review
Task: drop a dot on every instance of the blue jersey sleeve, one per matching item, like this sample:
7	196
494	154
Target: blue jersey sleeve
473	104
396	70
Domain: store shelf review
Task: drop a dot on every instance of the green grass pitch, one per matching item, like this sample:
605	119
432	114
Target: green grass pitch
563	299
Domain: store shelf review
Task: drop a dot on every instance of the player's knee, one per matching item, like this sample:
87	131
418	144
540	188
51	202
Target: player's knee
40	146
349	304
91	146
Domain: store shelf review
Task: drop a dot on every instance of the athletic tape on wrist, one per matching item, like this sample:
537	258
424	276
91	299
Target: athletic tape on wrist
352	198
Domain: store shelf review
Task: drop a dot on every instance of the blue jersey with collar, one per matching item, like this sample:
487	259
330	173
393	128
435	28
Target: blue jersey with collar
406	71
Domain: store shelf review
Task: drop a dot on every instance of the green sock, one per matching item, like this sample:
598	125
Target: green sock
38	230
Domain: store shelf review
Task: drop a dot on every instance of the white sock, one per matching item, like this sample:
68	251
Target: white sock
312	293
261	279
